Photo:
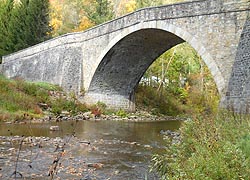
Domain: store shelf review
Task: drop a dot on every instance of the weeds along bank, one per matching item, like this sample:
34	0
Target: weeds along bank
165	102
211	148
22	100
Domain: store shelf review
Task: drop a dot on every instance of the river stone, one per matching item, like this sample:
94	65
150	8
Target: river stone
54	128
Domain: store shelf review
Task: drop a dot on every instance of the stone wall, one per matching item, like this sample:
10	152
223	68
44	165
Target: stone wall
61	65
113	101
238	93
1	69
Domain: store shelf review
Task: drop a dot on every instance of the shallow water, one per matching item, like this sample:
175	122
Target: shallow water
124	149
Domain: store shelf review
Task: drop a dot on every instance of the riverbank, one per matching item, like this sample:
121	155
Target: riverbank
25	102
138	116
212	147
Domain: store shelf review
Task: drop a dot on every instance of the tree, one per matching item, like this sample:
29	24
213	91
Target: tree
84	24
147	3
38	21
27	24
99	11
6	7
30	23
56	17
122	7
18	27
69	16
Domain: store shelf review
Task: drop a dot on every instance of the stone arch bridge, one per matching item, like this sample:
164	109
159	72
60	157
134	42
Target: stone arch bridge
108	61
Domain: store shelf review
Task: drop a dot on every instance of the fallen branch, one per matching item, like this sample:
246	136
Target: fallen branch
15	173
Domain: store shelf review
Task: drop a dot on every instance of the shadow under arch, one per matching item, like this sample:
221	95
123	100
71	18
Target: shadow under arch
127	57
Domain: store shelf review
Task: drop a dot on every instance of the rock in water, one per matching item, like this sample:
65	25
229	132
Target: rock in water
54	128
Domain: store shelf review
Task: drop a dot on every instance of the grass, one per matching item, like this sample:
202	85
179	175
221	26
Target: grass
211	148
20	100
164	102
148	97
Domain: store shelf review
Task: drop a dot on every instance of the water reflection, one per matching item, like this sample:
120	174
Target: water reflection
92	129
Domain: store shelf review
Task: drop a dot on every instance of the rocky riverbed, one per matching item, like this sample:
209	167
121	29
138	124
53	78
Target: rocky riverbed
34	157
82	149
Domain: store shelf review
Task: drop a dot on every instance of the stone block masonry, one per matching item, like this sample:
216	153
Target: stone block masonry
1	69
238	94
109	60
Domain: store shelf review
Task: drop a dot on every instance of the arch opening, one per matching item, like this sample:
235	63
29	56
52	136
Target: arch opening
178	82
123	66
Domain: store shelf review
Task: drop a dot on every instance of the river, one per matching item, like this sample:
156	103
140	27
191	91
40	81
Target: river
98	149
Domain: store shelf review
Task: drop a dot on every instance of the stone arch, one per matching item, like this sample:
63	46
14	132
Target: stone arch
127	56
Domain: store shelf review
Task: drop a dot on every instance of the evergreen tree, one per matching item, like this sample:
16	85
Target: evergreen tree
18	27
99	11
30	23
27	24
6	7
38	21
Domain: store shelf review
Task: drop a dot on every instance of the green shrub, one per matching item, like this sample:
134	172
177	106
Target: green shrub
61	104
121	113
102	106
182	102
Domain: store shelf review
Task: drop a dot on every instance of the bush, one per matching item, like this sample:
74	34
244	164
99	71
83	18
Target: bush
121	113
72	106
98	109
244	145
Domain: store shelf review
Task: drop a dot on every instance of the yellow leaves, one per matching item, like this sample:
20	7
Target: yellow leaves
55	23
55	16
85	23
68	16
130	6
125	6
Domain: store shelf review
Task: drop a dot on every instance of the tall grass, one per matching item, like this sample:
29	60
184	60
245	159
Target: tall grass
165	102
211	148
20	100
158	103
